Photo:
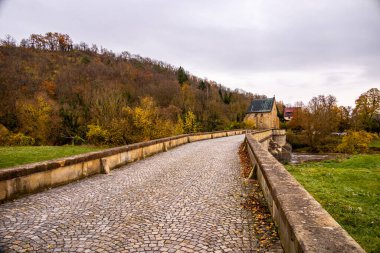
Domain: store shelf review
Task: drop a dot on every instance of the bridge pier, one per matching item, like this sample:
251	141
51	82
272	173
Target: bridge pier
279	136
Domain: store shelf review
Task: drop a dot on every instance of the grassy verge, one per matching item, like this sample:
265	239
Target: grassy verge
350	191
12	156
375	143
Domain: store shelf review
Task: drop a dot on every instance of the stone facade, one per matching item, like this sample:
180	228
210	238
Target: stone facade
262	116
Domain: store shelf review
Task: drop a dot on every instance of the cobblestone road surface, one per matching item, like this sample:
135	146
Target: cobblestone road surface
185	200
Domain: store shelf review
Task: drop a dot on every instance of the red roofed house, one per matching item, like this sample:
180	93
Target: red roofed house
289	112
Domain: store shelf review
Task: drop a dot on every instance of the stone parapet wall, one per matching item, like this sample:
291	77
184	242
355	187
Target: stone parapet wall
31	178
261	135
303	225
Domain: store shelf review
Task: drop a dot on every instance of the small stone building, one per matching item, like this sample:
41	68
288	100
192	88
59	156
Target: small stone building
263	112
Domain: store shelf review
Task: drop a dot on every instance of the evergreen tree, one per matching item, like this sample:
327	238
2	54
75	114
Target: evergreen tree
181	75
202	85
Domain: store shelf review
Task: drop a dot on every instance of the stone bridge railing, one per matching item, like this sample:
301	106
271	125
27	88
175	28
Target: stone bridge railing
303	225
31	178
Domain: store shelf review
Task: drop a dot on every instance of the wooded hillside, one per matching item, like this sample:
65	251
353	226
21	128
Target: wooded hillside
57	92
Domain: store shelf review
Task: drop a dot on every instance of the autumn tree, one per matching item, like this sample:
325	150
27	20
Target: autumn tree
225	95
85	85
315	123
321	118
145	123
35	117
367	110
355	142
190	123
8	41
50	41
344	118
298	117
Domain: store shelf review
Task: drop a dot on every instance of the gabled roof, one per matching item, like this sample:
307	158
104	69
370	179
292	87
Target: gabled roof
261	105
291	109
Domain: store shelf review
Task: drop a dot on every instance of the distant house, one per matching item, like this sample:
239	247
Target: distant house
289	112
263	112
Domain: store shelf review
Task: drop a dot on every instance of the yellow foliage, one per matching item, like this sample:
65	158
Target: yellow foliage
49	87
35	117
120	132
97	135
249	123
4	135
190	124
355	142
178	127
20	139
146	124
187	97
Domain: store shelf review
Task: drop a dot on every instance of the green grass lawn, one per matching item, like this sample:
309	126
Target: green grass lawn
350	191
12	156
375	143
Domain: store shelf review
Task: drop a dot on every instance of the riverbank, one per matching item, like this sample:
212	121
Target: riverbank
300	157
349	190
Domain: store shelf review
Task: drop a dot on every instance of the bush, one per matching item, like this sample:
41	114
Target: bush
20	139
120	132
4	135
96	135
355	142
235	125
328	143
249	123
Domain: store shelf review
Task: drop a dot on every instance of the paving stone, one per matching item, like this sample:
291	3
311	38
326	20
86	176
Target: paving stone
185	200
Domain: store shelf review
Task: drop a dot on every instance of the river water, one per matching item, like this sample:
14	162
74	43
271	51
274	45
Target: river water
310	157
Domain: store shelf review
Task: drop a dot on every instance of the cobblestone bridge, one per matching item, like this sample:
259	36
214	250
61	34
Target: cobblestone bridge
185	200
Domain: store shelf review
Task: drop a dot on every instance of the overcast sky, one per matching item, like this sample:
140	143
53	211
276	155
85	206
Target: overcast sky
294	49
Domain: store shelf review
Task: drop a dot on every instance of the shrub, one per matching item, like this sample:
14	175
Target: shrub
77	140
328	143
249	123
20	139
235	125
120	132
355	142
4	135
96	135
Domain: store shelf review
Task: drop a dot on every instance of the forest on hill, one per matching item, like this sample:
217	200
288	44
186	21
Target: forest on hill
54	92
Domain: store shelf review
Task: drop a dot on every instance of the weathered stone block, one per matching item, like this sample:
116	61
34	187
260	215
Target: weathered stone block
66	174
105	166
